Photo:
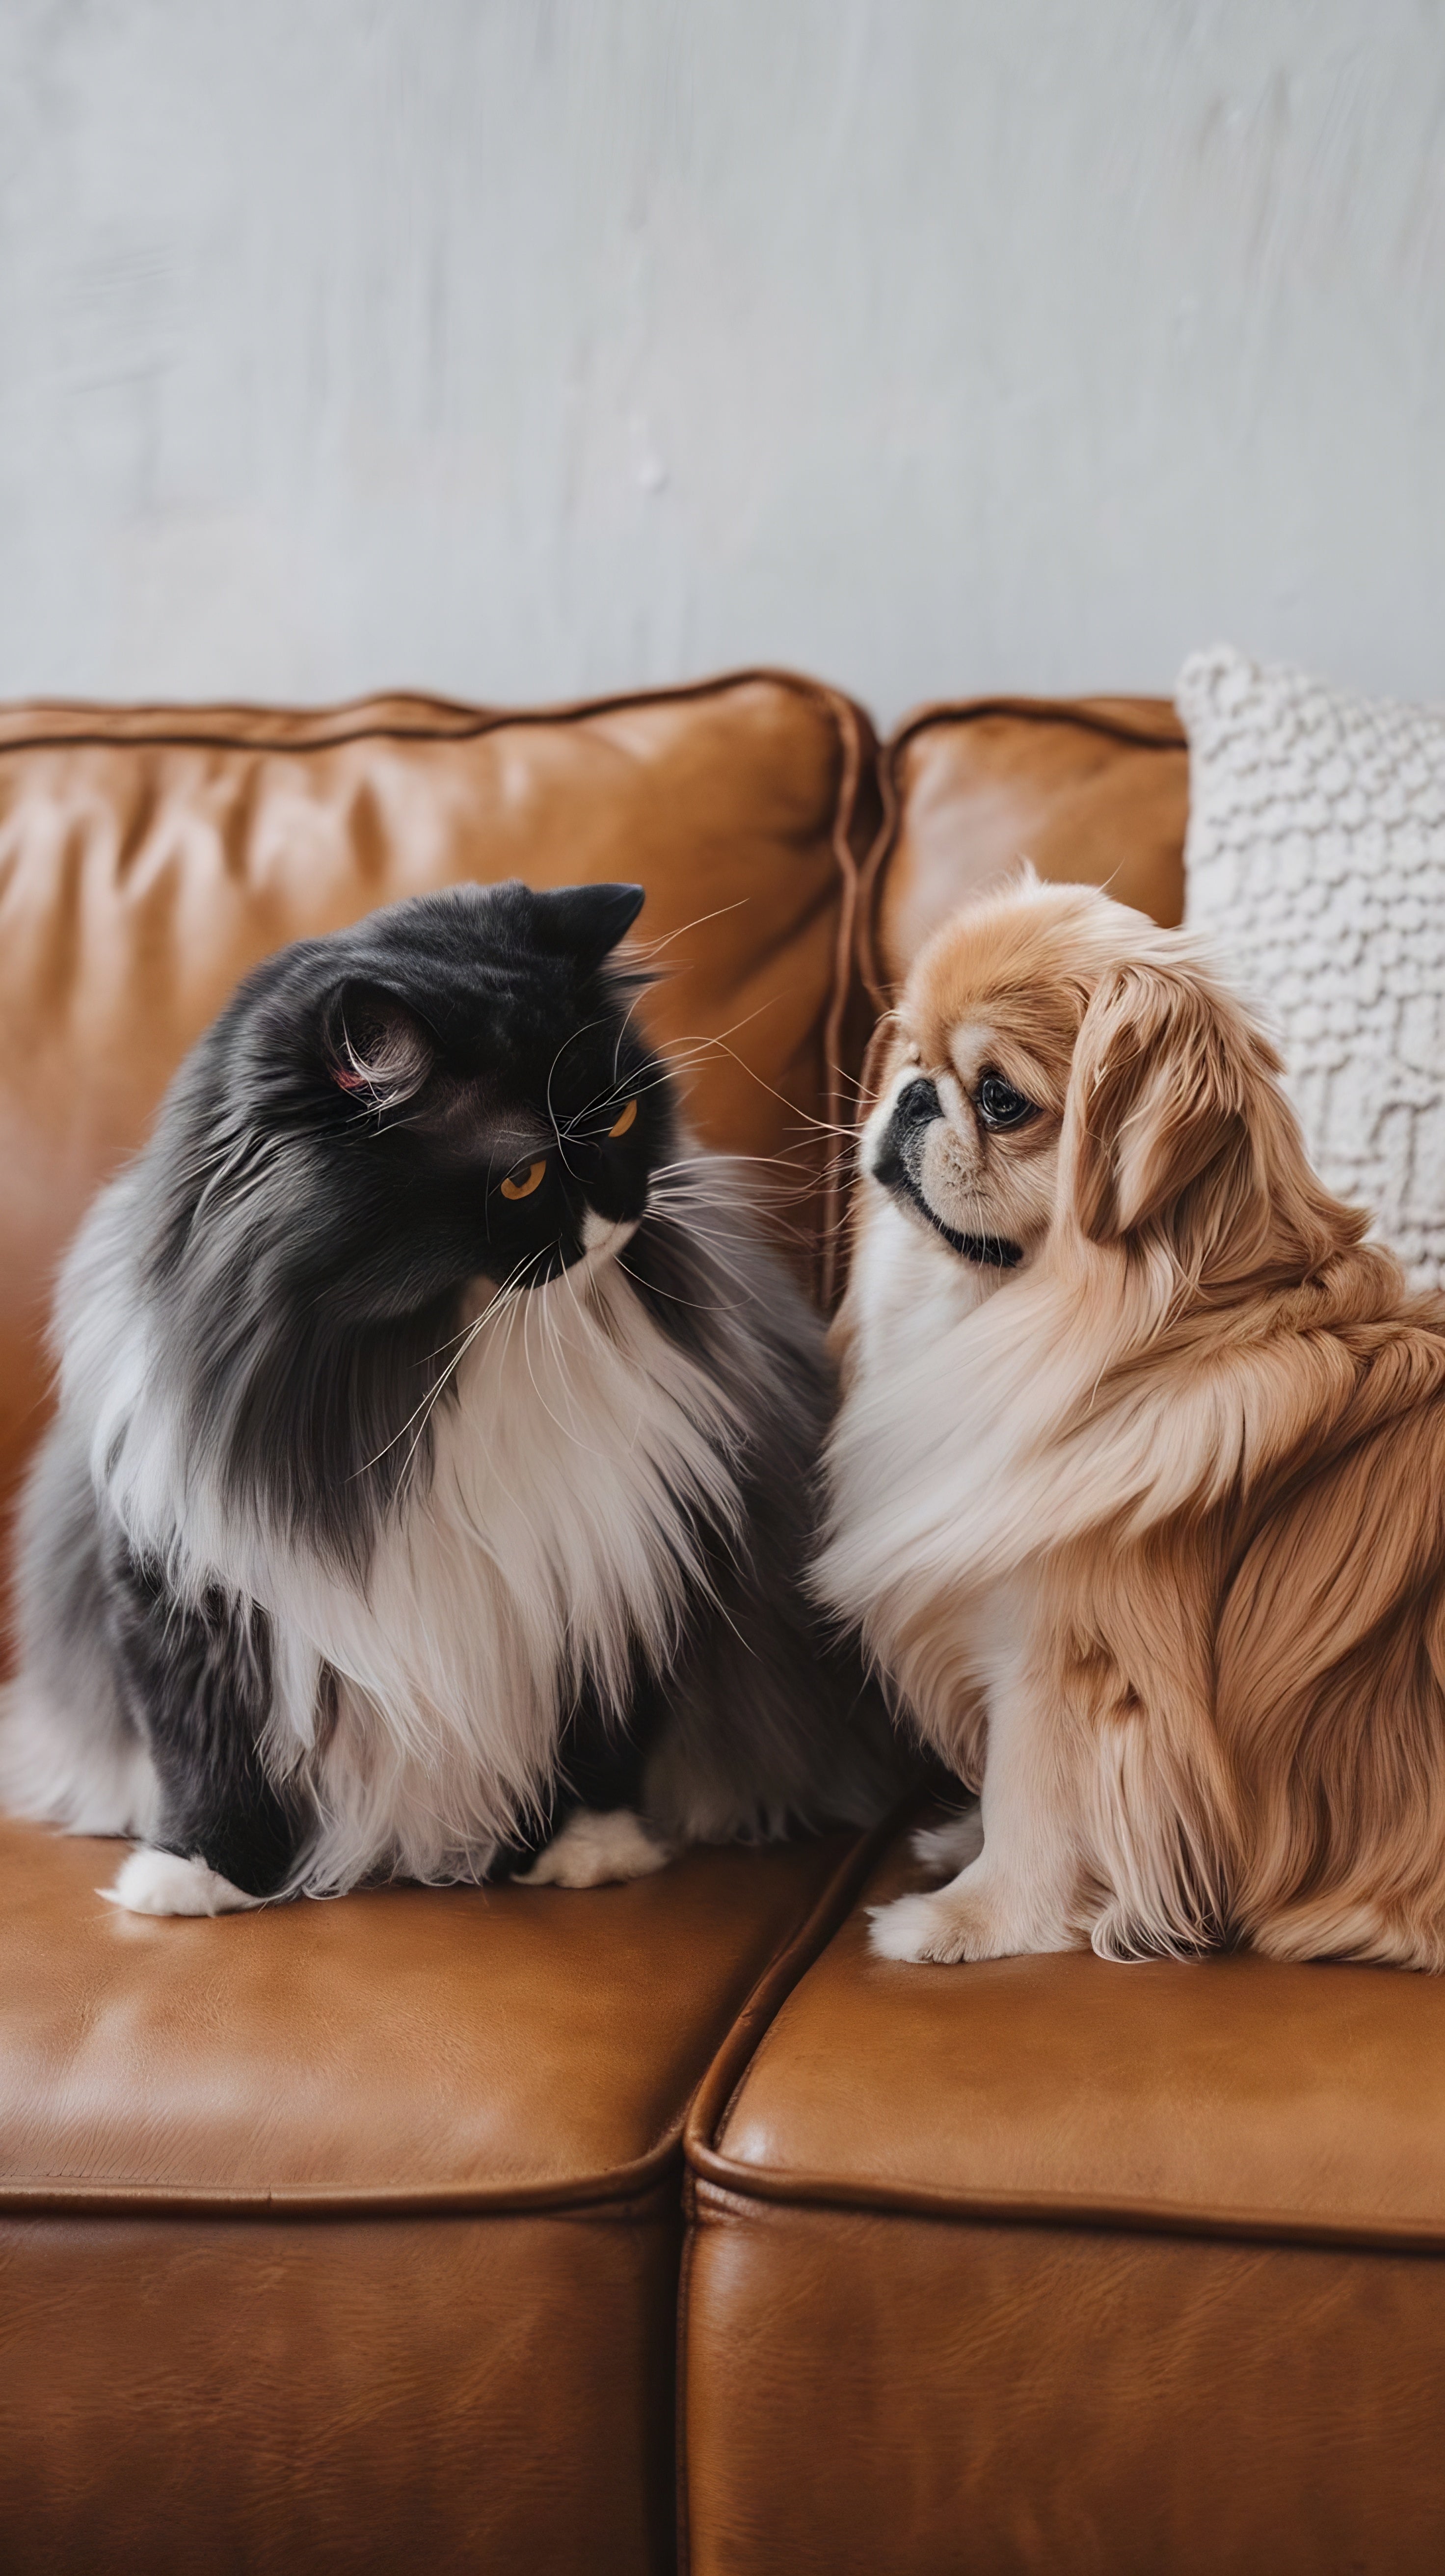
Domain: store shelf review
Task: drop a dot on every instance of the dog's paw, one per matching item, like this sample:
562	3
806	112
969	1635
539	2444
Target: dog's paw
949	1847
918	1929
597	1851
969	1919
158	1882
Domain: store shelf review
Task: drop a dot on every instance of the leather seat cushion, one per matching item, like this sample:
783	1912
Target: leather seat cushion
405	2046
1230	2096
1117	2267
355	2398
867	2390
150	856
1089	789
347	2234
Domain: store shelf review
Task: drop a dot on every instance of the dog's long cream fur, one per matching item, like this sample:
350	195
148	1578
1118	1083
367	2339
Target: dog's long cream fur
1147	1531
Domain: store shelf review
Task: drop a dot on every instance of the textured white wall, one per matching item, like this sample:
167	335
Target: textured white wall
524	347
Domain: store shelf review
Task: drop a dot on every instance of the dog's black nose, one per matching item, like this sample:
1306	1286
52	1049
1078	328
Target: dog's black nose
917	1103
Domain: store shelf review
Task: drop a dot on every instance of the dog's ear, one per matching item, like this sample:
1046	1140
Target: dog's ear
877	1066
1156	1094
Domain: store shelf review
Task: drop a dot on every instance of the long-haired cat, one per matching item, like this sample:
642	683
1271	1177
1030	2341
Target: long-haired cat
1139	1485
433	1462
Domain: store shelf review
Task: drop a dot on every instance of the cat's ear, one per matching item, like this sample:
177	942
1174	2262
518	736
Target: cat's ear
376	1047
587	921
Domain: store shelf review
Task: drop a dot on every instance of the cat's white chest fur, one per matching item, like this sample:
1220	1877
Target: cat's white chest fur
556	1529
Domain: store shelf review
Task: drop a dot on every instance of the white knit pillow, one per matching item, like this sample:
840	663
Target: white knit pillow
1315	863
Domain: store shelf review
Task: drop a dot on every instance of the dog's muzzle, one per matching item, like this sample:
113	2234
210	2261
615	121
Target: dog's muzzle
898	1164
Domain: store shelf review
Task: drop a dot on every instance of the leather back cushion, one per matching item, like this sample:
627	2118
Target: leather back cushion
1091	789
150	856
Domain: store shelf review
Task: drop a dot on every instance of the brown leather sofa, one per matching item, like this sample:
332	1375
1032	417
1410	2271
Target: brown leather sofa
541	2231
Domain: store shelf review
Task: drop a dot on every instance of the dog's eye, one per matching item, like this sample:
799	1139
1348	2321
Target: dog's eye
526	1178
999	1105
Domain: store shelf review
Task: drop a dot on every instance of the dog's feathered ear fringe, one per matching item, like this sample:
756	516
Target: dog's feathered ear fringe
1158	1091
1177	1129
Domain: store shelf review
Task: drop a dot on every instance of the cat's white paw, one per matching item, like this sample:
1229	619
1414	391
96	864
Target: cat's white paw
157	1882
595	1850
949	1847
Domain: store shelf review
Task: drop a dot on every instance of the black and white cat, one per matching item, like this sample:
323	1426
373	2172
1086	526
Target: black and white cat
434	1459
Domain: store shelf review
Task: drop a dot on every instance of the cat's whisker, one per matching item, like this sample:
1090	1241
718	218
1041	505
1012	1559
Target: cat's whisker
767	1206
697	1189
552	1332
564	1428
509	1318
693	1233
687	1189
765	1172
623	1026
663	1202
699	1305
682	1055
694	1210
720	1041
573	1038
429	1408
627	1088
588	1323
654	947
531	1371
723	1173
465	1337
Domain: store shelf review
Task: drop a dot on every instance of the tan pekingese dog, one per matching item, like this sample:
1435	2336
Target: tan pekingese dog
1138	1489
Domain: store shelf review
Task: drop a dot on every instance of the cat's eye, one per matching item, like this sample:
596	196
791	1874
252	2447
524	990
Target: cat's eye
520	1184
999	1105
628	1119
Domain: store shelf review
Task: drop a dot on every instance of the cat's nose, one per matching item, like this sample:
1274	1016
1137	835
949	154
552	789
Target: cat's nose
917	1104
